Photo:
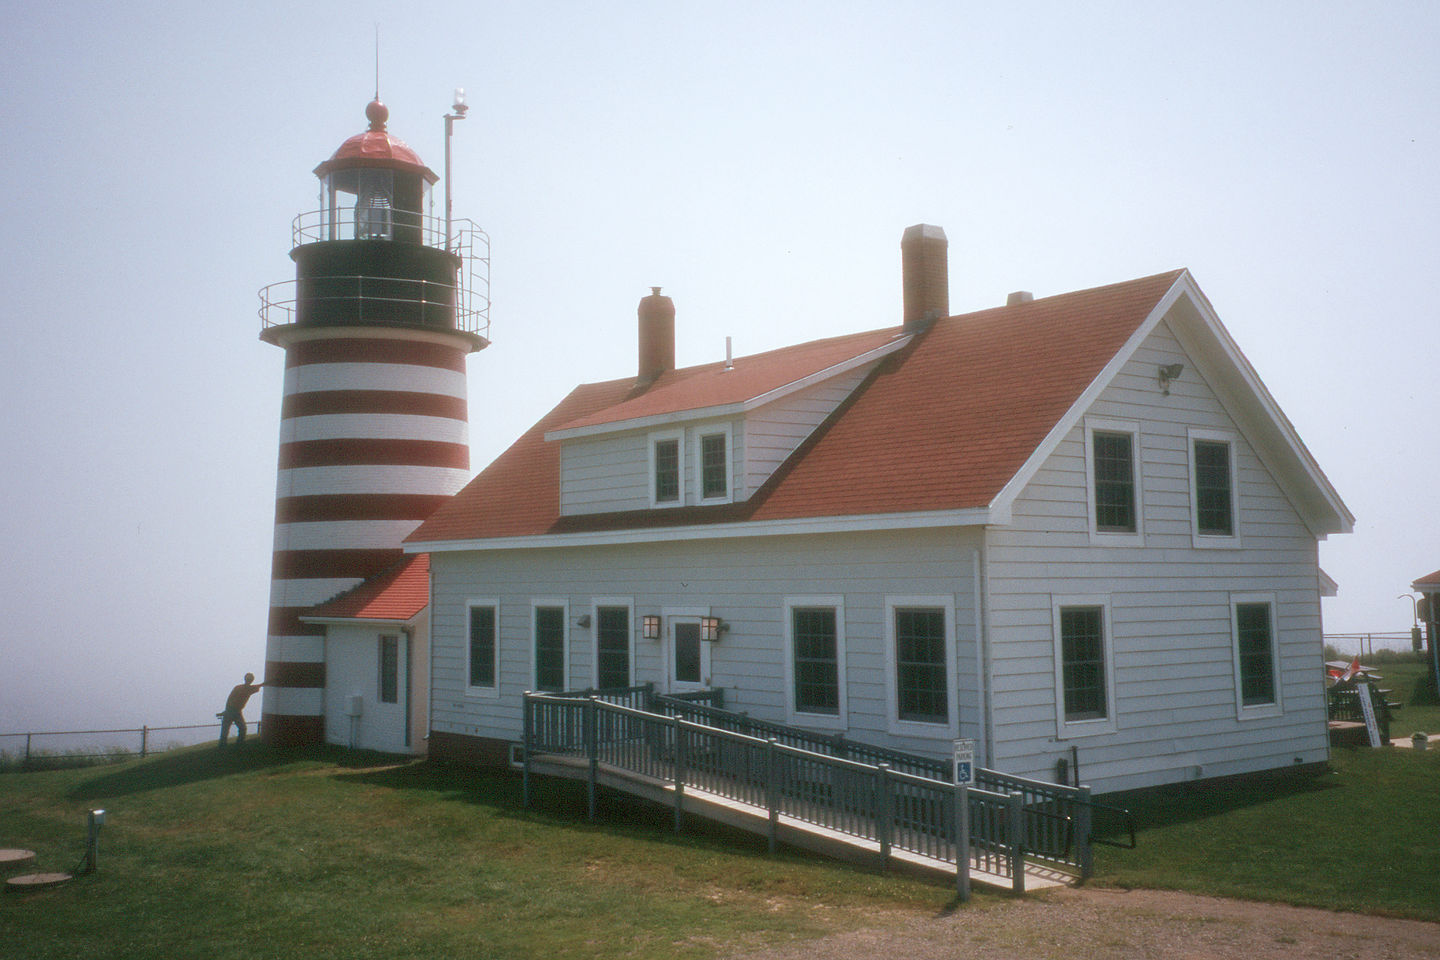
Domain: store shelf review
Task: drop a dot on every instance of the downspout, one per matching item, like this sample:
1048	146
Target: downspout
430	654
409	634
983	657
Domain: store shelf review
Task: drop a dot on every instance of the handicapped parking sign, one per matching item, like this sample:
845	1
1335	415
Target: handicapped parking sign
965	762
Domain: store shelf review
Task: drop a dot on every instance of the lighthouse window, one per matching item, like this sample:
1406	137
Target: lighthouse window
374	200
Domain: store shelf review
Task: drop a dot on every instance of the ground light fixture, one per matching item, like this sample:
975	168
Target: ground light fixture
88	861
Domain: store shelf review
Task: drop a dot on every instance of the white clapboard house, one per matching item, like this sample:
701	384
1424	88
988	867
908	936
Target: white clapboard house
1077	529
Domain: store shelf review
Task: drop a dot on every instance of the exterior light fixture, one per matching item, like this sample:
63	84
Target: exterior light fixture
711	628
583	620
650	627
1168	372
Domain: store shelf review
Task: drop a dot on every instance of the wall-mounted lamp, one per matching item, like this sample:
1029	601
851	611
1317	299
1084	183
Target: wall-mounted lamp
1168	372
711	628
650	627
583	620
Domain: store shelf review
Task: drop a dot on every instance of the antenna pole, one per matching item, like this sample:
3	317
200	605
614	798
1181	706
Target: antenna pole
458	108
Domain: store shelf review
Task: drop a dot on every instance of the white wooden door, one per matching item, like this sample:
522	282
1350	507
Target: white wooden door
688	656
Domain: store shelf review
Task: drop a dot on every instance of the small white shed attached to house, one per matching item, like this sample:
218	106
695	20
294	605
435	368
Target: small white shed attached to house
377	652
1075	529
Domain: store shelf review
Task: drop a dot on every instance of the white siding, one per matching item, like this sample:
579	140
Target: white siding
743	581
774	431
604	474
611	472
1168	603
352	669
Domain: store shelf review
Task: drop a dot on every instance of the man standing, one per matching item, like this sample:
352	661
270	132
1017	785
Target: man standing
235	709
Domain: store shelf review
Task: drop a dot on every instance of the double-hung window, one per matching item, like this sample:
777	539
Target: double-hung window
1084	673
389	669
815	664
1213	500
549	637
714	450
612	646
921	669
483	653
667	469
1257	674
1112	472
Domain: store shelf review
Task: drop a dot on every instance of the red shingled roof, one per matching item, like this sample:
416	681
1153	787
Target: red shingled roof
1430	580
711	385
943	424
399	593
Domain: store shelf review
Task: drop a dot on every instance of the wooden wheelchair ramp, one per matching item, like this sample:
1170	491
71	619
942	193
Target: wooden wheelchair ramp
790	830
834	806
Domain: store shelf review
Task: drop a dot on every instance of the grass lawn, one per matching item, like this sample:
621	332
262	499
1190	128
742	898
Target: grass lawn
262	854
272	855
1364	837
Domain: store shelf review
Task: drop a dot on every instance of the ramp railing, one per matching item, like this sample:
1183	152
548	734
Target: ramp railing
893	809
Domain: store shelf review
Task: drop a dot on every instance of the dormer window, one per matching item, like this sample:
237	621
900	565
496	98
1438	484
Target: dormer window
712	453
667	471
713	482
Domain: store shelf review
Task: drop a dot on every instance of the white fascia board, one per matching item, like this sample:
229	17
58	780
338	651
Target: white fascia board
978	516
730	409
646	423
359	621
1253	404
1005	499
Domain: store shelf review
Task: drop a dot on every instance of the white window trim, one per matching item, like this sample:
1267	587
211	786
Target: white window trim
1098	537
488	693
916	728
595	604
535	604
1074	729
700	433
1214	541
825	721
1259	710
661	436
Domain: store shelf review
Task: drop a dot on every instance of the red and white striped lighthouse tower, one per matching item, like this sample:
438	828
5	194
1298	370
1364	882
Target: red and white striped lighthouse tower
387	302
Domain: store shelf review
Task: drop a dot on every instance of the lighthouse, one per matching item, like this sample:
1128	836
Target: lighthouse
388	301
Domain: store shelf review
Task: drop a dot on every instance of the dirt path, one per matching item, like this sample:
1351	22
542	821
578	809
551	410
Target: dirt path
1099	923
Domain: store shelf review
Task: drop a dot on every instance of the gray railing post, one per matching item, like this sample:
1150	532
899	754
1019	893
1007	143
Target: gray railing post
144	741
1084	852
886	818
962	841
592	751
27	747
772	791
1015	839
679	772
528	736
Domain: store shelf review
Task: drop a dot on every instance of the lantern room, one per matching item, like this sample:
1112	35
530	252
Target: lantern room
374	187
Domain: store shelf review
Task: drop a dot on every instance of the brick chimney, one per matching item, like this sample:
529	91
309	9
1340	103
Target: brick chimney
657	336
925	274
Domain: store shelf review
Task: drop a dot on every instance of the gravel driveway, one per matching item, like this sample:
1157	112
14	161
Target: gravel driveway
1080	924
